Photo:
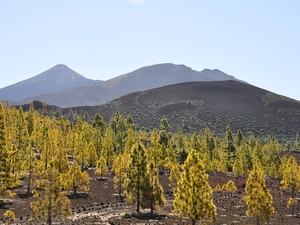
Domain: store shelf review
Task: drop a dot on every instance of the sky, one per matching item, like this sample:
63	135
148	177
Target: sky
255	41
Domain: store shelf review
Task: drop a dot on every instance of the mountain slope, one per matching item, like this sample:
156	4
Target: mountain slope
197	105
55	79
83	95
139	80
158	76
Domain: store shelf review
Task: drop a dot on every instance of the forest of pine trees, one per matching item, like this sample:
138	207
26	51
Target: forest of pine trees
52	153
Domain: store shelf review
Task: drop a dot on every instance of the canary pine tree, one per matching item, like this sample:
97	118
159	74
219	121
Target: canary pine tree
193	195
152	194
258	198
52	204
6	180
76	180
119	167
230	147
99	127
101	167
230	187
291	178
136	173
155	148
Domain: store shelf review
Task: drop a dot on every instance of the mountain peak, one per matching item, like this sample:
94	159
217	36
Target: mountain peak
60	66
57	78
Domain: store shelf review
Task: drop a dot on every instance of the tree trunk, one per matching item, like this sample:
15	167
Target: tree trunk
49	211
138	183
29	176
193	222
293	196
257	221
120	187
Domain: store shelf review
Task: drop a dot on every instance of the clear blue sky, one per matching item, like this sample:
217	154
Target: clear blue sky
257	41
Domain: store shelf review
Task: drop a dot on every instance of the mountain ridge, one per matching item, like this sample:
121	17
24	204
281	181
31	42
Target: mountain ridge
92	92
56	78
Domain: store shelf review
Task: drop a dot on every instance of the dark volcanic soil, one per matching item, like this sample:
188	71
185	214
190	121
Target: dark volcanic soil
197	105
102	205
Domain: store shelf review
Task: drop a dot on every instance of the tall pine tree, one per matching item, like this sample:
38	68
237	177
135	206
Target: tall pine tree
258	198
193	195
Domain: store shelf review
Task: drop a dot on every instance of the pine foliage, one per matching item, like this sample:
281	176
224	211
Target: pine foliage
193	195
258	198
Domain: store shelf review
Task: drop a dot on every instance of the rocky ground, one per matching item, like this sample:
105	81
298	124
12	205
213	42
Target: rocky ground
102	205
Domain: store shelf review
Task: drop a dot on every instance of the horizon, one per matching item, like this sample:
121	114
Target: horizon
255	41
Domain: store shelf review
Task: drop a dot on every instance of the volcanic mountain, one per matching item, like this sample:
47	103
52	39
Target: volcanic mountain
196	105
63	87
55	79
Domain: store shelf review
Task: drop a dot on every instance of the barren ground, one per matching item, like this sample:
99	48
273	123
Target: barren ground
102	205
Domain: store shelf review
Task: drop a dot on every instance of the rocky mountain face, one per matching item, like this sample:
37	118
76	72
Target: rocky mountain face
64	87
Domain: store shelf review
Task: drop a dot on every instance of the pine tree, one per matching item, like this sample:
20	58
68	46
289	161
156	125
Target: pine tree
119	167
155	149
230	147
108	146
136	173
52	204
239	137
99	127
152	194
193	195
296	145
210	142
291	178
258	198
175	170
272	160
119	132
230	187
30	167
9	216
219	161
101	167
76	180
164	133
6	178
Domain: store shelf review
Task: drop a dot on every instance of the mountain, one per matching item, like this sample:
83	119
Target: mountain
196	105
55	79
160	75
139	80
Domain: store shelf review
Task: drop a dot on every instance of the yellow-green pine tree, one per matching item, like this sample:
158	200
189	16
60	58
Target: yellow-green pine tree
101	167
9	216
99	127
119	167
136	173
52	204
230	187
291	178
6	179
258	198
152	193
193	195
76	180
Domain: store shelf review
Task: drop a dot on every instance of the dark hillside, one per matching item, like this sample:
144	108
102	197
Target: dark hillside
197	105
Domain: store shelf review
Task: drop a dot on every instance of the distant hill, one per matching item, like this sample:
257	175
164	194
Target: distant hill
196	105
55	79
160	75
63	87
